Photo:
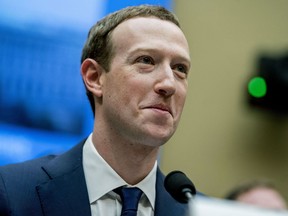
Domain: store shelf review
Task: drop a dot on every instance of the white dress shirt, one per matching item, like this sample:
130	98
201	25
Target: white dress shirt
101	180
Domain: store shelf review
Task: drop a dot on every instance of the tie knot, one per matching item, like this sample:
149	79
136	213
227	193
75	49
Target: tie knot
130	198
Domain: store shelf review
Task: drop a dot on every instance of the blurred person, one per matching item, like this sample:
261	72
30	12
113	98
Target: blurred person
261	193
135	64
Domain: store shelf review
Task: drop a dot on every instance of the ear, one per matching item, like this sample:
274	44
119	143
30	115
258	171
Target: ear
91	73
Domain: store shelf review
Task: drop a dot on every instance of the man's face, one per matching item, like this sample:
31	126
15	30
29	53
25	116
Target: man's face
145	90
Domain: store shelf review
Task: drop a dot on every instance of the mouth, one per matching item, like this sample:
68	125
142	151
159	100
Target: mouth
161	107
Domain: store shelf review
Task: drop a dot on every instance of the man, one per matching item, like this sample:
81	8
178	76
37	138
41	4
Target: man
135	65
259	193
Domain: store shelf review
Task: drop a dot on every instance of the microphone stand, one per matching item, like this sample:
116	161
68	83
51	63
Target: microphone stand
189	197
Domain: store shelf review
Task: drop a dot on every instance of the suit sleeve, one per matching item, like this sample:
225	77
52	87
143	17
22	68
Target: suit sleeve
4	203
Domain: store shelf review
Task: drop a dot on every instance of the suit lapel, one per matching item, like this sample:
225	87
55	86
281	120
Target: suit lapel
66	192
165	204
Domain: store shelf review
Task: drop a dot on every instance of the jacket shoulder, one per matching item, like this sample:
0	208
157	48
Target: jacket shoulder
23	170
17	184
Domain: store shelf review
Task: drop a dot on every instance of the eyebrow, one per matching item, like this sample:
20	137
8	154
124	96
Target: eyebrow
156	50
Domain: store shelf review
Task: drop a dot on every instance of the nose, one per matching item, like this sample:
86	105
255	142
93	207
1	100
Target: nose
166	83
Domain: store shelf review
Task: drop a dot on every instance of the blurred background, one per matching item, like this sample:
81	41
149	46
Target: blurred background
223	140
43	106
234	127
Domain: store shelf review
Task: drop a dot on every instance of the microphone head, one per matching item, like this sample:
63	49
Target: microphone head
177	184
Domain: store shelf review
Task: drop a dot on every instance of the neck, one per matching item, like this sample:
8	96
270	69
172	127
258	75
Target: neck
132	161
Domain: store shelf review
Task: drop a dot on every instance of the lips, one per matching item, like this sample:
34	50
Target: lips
161	107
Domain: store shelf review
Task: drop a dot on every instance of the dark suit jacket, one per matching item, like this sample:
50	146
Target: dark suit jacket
55	186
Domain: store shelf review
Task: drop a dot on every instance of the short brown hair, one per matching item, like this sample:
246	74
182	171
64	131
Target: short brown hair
248	186
98	45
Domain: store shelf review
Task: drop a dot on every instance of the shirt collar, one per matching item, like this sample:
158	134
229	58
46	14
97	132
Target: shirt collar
98	172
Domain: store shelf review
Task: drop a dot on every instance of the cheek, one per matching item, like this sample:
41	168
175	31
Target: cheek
125	91
136	84
132	93
181	96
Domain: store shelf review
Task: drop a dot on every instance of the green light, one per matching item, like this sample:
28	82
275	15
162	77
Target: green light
257	87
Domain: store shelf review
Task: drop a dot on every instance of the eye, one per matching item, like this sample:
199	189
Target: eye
145	60
181	68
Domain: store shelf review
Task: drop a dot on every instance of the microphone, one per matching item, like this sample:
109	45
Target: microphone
179	186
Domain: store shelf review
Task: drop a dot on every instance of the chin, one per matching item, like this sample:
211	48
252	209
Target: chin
160	139
156	136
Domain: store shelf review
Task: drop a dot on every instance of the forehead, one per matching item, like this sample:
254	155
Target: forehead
262	195
149	32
